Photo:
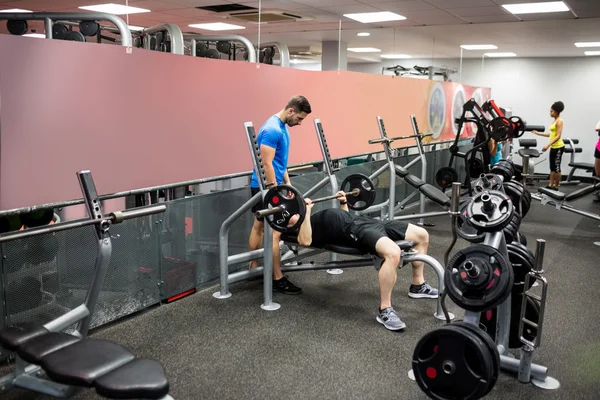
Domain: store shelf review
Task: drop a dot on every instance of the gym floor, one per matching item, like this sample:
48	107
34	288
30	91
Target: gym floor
326	343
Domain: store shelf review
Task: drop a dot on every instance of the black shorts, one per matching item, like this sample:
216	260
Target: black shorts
368	233
259	205
597	154
556	158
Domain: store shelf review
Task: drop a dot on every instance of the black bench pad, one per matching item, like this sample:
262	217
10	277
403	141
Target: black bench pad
580	192
569	149
352	251
414	181
14	336
529	153
83	362
582	165
34	350
141	378
555	194
435	194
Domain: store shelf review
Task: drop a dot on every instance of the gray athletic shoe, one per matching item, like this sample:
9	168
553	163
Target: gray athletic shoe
423	291
390	319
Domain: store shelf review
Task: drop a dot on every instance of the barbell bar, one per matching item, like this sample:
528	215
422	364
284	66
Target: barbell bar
381	140
108	219
279	209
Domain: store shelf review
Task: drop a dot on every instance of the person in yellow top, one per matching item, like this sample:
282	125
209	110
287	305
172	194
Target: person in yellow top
556	144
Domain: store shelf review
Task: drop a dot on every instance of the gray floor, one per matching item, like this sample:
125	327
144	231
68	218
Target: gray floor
326	344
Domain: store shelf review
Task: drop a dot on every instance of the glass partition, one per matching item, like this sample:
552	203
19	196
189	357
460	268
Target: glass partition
156	257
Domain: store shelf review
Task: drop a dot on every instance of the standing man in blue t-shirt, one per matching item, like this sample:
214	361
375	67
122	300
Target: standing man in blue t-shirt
274	143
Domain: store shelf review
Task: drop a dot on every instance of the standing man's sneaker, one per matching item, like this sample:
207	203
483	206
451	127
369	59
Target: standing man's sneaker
390	319
423	291
284	286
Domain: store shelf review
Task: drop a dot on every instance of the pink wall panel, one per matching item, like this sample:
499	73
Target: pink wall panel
148	118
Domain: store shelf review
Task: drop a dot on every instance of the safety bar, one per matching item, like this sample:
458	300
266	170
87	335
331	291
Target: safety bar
124	31
284	52
247	43
105	221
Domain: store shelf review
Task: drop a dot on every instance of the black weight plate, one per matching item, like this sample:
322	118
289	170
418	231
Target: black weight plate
476	167
452	363
75	36
160	37
491	346
464	229
502	170
201	49
224	47
42	249
445	176
489	288
17	26
291	199
500	129
367	194
494	220
261	56
527	202
213	53
487	182
525	252
59	31
89	28
153	43
515	192
24	294
510	231
518	126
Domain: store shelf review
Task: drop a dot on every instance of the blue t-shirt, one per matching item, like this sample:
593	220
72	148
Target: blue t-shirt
498	156
274	133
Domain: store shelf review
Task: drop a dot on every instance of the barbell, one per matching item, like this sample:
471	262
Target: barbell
284	201
389	140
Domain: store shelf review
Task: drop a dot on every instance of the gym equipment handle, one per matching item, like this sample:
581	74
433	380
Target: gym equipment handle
112	218
422	135
539	128
278	209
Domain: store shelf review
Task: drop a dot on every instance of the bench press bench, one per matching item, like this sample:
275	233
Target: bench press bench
575	165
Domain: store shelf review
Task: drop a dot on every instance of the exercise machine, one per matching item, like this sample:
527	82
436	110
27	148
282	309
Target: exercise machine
570	148
424	190
72	360
559	199
491	123
279	220
482	278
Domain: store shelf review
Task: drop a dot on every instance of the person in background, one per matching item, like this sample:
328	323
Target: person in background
597	162
273	141
556	144
495	151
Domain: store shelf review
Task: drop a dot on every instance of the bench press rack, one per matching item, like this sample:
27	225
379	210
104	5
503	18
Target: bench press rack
296	254
425	190
72	360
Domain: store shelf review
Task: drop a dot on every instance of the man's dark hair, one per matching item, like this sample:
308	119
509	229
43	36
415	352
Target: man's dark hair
558	106
299	104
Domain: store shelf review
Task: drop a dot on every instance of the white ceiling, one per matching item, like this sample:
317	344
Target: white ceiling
433	27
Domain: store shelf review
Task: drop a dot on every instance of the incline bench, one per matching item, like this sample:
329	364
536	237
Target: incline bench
74	360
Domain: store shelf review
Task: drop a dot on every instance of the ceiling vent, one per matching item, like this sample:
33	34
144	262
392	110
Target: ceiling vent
269	16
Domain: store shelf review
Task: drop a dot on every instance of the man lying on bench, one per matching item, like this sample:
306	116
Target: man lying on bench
340	227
